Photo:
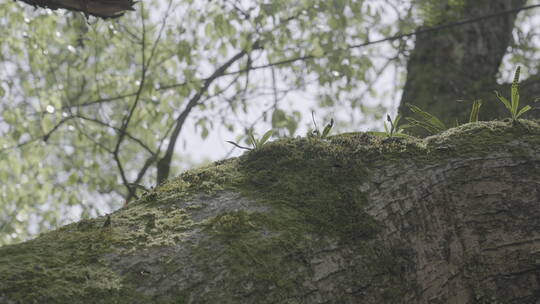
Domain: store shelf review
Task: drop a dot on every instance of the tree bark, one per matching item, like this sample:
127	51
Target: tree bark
462	63
98	8
452	218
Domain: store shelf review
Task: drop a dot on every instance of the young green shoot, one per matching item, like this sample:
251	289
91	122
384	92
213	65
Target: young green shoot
394	131
326	131
513	104
256	144
426	121
475	110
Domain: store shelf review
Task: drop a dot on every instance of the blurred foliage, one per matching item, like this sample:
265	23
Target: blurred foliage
440	11
68	86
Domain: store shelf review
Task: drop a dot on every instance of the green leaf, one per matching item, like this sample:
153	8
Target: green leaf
209	29
516	76
504	101
515	92
252	140
395	124
422	124
292	125
428	119
327	129
265	137
515	99
475	110
47	123
523	110
9	117
279	118
204	133
73	178
317	50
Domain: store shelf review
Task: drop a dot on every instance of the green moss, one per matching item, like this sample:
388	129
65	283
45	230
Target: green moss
481	138
68	265
312	186
232	223
306	191
209	179
59	266
313	182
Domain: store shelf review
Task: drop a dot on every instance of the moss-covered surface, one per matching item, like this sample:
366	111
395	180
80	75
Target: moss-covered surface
58	266
308	193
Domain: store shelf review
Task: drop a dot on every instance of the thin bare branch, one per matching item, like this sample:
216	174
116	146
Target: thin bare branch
127	134
164	164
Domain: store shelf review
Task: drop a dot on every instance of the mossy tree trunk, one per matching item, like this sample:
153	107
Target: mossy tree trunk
353	219
448	69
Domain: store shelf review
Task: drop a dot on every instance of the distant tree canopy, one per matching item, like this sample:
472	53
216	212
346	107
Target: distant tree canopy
94	111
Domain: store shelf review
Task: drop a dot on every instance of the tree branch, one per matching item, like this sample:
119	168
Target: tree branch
127	134
127	119
164	164
99	8
125	123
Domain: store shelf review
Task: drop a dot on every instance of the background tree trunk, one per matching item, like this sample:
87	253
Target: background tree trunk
355	219
461	63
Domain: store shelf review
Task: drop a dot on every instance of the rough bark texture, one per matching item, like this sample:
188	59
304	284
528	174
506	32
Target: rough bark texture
462	63
354	219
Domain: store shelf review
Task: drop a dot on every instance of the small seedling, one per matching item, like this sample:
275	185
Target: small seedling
475	110
425	120
394	131
513	104
316	133
255	143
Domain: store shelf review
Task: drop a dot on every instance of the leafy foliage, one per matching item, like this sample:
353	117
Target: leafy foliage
255	143
425	120
513	104
90	109
440	11
395	129
475	110
325	132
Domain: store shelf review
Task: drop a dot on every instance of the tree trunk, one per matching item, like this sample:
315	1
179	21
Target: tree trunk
354	219
461	64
